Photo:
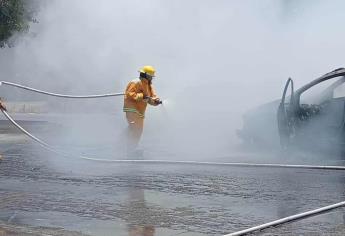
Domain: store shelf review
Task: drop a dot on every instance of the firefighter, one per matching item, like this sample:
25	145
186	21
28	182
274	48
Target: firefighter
139	93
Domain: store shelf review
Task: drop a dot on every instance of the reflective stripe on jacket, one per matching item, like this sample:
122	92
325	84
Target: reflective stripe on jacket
135	92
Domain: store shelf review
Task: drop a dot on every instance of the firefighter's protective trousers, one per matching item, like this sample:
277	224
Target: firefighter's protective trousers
135	106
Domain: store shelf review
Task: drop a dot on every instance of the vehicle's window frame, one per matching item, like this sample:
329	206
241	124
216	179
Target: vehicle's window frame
337	74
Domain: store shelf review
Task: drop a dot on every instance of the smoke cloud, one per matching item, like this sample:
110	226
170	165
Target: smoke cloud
214	61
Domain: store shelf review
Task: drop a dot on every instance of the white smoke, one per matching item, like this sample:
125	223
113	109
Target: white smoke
214	59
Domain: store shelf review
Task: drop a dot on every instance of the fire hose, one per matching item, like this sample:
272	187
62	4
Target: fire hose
59	95
288	219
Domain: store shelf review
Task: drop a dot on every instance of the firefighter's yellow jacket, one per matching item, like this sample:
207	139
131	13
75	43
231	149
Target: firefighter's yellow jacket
136	90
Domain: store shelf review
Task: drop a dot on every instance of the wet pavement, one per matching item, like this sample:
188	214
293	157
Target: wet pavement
96	198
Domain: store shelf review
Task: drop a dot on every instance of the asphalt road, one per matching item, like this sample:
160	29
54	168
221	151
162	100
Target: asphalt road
39	189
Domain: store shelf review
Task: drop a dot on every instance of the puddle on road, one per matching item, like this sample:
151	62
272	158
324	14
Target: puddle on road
89	226
103	199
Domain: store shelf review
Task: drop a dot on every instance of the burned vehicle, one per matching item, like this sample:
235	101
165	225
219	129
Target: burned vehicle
310	118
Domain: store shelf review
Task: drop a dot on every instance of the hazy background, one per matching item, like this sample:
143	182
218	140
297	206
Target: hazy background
214	61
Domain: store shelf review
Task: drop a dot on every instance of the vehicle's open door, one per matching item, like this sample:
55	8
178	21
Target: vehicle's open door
285	116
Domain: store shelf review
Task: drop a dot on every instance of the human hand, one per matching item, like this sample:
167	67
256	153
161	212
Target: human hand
147	99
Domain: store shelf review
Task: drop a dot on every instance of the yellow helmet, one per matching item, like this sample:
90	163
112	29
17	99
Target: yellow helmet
148	70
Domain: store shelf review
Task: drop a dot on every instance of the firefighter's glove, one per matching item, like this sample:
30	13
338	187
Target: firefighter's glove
152	101
158	101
